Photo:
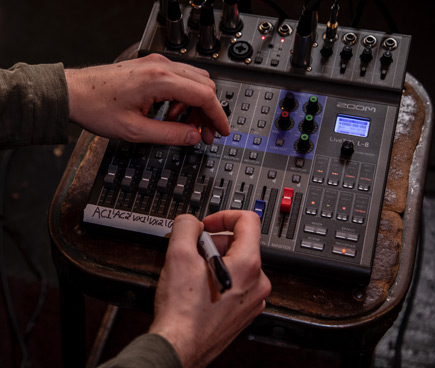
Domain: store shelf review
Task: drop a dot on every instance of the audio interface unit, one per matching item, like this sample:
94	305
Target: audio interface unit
312	110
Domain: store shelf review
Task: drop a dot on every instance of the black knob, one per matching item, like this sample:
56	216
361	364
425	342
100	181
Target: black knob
387	58
313	105
346	53
226	106
284	122
366	55
308	124
289	102
303	143
347	148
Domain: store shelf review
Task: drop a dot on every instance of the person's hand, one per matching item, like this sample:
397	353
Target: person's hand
190	312
113	101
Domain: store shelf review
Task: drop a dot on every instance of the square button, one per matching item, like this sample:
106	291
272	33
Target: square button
232	152
237	137
241	120
214	149
274	62
249	170
279	142
296	179
249	92
257	141
210	164
265	109
245	106
271	174
268	95
261	123
253	155
229	167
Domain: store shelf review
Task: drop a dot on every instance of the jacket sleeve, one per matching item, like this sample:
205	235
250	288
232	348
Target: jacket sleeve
146	351
33	105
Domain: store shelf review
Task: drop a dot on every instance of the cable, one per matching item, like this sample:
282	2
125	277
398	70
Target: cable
397	359
281	13
358	14
387	15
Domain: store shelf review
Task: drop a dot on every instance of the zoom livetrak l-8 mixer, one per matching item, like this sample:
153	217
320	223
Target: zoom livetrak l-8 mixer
312	109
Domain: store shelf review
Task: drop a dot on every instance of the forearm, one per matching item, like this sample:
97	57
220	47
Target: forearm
33	105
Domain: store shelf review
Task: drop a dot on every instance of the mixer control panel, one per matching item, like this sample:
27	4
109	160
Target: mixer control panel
308	150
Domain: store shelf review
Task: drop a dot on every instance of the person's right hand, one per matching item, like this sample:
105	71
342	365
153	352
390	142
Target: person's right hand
190	312
113	101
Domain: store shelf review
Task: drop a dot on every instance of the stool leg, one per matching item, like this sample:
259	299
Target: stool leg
72	315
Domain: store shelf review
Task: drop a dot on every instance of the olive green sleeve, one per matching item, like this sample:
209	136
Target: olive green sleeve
33	105
146	351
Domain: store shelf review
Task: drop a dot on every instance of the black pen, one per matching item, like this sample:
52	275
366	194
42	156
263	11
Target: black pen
215	262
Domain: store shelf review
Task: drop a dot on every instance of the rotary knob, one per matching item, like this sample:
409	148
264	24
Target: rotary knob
284	122
313	105
347	148
289	102
303	144
308	124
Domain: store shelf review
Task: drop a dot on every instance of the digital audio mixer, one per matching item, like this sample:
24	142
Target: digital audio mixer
312	110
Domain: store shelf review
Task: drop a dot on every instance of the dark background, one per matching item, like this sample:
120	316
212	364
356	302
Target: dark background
82	33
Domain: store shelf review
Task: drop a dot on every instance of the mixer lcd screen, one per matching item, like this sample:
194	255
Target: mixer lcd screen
352	125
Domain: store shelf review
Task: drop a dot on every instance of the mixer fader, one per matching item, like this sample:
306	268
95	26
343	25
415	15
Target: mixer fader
309	143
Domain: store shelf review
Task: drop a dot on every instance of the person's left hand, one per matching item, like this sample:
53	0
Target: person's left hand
189	311
113	101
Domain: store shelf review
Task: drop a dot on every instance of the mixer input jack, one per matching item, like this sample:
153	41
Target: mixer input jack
370	41
389	44
285	30
265	27
350	38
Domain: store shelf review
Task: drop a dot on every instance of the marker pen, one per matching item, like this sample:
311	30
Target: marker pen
215	262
